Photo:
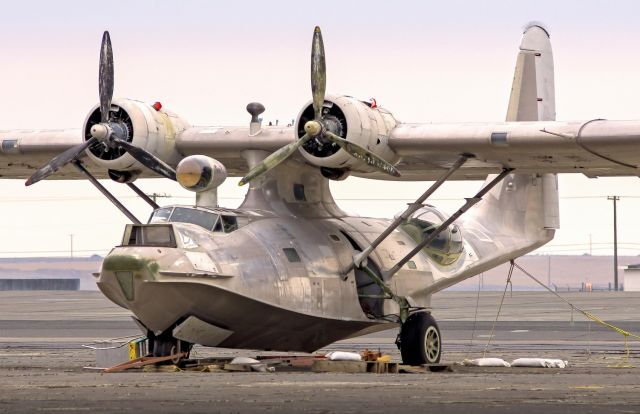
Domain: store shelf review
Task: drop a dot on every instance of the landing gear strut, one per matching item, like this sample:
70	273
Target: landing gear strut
166	345
419	340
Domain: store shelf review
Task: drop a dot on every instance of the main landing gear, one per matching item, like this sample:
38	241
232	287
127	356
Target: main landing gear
419	340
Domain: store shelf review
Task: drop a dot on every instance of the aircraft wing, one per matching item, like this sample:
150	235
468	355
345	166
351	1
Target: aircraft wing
594	148
24	151
531	141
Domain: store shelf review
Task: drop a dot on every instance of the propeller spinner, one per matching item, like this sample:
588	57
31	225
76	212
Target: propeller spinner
316	127
108	132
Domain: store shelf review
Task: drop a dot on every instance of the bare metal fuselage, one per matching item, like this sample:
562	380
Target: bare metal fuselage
276	283
284	280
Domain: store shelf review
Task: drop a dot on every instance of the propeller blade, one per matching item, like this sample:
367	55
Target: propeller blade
356	151
105	77
147	159
318	73
274	159
60	161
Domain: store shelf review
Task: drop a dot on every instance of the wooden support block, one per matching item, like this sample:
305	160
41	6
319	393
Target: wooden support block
352	367
376	367
160	368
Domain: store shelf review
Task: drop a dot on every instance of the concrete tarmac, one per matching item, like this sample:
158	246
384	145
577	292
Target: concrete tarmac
42	360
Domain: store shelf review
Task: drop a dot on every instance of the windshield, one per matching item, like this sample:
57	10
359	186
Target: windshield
189	215
206	219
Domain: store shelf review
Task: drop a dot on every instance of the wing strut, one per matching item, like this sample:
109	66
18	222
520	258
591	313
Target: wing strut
467	205
143	196
361	258
105	192
403	303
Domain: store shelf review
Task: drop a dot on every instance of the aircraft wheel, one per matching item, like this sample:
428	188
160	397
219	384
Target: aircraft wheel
419	340
162	347
165	346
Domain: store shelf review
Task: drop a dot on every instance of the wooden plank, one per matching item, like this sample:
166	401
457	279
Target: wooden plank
353	367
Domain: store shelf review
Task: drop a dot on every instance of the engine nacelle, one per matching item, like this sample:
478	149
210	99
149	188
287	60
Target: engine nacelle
200	173
355	121
147	128
123	177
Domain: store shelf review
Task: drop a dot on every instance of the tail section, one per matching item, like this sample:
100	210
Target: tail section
520	214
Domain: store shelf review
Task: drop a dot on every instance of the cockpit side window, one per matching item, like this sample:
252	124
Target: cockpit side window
229	223
161	215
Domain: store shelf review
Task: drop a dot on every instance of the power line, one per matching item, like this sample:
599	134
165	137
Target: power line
169	196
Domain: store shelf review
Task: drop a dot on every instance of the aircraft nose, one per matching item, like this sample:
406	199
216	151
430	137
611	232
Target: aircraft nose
124	272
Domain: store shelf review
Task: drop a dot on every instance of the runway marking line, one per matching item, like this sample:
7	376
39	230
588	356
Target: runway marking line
586	387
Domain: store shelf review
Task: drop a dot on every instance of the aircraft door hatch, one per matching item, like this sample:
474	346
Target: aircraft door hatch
370	294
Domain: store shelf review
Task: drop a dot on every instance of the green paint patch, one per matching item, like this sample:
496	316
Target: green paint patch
129	263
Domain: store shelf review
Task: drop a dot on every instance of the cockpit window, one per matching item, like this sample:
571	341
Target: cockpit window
190	215
149	235
161	215
229	223
206	219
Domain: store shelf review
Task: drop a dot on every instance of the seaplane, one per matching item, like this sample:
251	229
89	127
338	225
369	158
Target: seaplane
288	269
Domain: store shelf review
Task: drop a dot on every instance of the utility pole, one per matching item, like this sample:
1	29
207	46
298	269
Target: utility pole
155	196
71	242
615	240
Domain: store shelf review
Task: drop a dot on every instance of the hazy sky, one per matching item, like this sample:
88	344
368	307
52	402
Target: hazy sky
426	61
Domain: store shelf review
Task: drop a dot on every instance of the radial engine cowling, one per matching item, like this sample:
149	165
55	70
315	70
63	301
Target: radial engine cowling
200	173
143	126
355	121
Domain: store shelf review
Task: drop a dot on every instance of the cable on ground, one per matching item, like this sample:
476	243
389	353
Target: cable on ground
625	362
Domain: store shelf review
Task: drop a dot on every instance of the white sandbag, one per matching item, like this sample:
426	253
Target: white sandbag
486	362
343	356
540	363
244	361
255	365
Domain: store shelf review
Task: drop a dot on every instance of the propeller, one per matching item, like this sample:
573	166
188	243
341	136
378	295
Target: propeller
110	133
316	128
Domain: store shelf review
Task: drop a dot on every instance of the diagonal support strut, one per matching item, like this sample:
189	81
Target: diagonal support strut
361	257
467	205
106	192
143	196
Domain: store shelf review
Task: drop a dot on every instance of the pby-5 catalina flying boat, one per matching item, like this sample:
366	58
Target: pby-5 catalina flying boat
289	270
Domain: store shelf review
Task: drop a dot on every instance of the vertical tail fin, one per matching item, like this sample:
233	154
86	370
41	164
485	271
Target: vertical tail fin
533	91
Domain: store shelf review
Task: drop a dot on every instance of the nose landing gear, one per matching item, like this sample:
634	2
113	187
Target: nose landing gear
166	345
419	340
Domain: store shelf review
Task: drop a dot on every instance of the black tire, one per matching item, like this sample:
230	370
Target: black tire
420	341
162	347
